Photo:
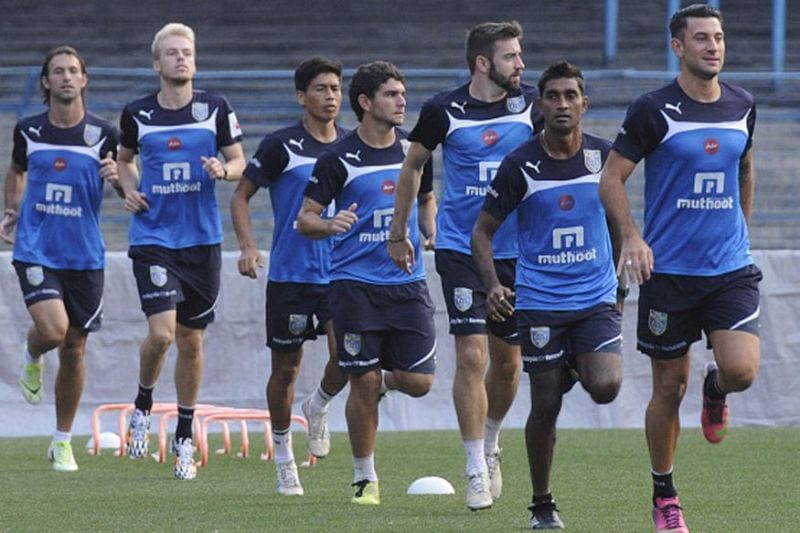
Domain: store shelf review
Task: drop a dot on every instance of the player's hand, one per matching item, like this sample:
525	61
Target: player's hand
249	261
215	168
7	225
402	254
500	303
430	242
343	220
136	201
108	170
635	260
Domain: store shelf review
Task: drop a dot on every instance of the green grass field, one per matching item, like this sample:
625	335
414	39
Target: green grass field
601	483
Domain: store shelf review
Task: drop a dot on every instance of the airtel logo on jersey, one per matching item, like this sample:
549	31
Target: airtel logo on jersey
388	187
173	143
59	164
711	146
490	137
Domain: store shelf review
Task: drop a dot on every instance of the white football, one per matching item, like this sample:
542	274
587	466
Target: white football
431	485
108	441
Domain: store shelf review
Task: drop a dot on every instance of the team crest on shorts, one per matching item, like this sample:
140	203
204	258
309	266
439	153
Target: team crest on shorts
462	298
515	104
592	160
200	111
657	322
34	275
297	324
91	134
158	275
352	343
540	336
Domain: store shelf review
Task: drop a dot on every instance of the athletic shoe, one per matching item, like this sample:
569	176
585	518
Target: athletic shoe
545	516
184	467
668	516
288	482
318	439
30	379
493	461
60	454
366	493
138	439
479	495
714	417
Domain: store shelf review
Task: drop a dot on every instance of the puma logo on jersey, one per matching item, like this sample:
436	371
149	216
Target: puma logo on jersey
147	114
255	162
299	144
461	107
534	167
676	107
356	156
37	131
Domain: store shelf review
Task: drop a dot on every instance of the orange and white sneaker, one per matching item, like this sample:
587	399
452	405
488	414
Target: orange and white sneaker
714	418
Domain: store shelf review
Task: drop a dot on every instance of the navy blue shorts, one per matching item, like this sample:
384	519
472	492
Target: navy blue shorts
186	280
384	326
466	298
290	312
674	310
80	290
554	338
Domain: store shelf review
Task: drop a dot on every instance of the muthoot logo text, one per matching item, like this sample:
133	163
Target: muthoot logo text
177	188
569	237
381	220
59	210
706	203
568	257
57	198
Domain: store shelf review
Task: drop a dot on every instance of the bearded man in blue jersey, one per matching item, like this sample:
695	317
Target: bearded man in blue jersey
176	230
299	268
477	124
383	317
693	261
53	192
565	293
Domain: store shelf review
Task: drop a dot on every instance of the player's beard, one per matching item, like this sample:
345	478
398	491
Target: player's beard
504	82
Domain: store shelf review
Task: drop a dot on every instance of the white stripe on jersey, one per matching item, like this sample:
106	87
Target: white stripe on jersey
535	186
456	123
356	172
296	160
675	127
90	151
209	124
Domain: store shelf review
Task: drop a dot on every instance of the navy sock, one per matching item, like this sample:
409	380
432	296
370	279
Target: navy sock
185	418
663	486
144	399
711	387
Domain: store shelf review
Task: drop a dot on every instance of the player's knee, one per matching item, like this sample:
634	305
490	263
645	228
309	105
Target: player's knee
160	339
284	374
471	359
52	334
739	377
416	385
604	390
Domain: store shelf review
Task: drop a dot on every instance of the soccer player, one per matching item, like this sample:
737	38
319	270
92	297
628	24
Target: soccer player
565	292
175	231
299	277
59	161
383	318
477	125
694	262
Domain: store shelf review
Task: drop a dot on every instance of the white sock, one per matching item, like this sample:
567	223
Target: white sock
30	359
320	400
282	445
62	436
384	388
476	460
364	468
491	435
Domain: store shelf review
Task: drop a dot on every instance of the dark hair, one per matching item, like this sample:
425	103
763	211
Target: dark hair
313	67
59	50
367	79
561	70
482	38
677	24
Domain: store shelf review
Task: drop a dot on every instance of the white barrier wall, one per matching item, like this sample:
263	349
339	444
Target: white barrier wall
237	361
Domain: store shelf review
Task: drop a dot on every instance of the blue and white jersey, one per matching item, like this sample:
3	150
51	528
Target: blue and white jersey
283	163
59	217
475	137
565	259
693	220
352	171
183	209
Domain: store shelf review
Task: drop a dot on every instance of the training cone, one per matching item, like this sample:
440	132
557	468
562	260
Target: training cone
431	485
108	441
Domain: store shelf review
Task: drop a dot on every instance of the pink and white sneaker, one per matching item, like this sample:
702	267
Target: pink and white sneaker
668	516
